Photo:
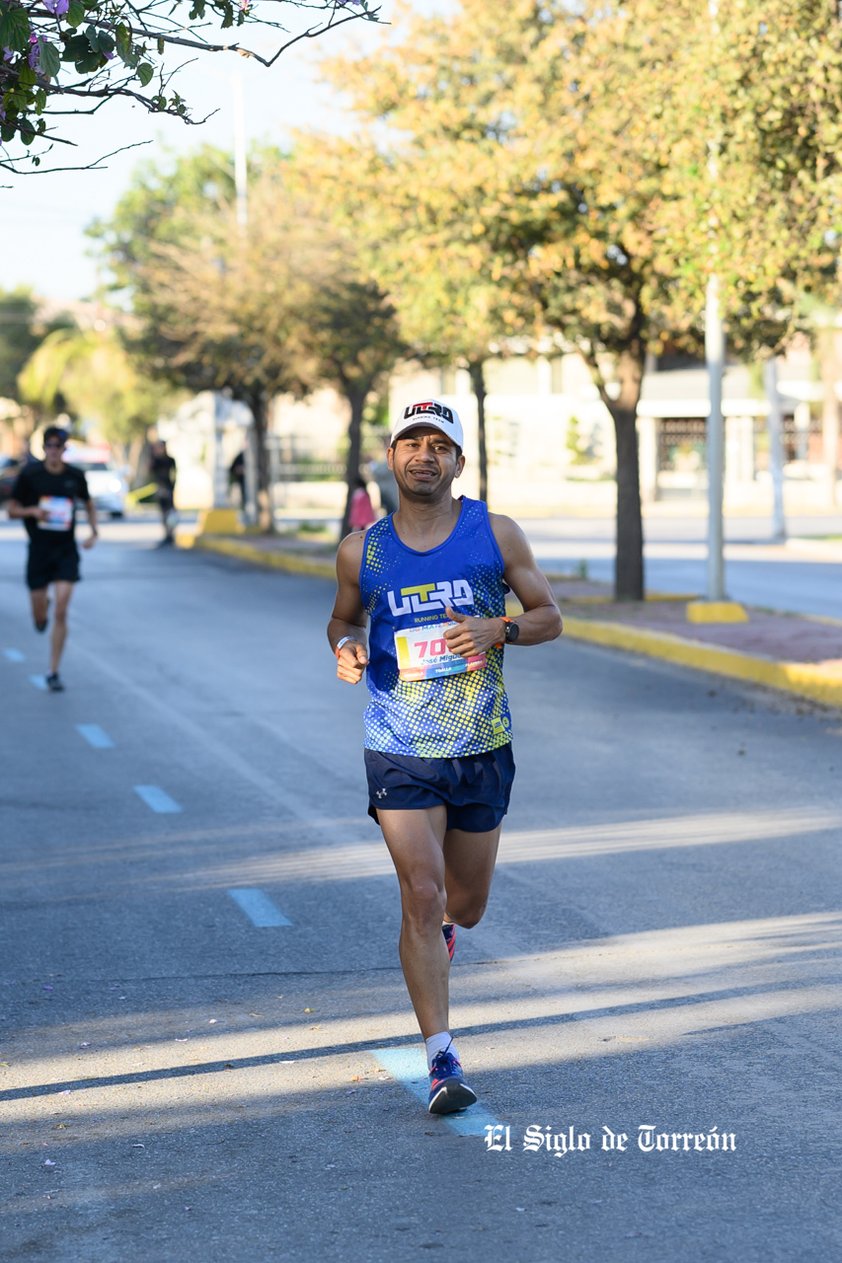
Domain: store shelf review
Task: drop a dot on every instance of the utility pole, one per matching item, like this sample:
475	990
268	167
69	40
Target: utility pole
240	159
715	359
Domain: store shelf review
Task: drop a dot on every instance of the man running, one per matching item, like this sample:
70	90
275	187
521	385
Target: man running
44	496
432	579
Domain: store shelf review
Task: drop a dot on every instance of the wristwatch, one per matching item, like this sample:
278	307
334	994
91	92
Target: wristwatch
511	631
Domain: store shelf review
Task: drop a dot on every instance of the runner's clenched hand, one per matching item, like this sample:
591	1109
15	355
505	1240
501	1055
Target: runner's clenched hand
471	635
351	662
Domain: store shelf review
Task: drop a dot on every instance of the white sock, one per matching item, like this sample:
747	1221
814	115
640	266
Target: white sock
439	1043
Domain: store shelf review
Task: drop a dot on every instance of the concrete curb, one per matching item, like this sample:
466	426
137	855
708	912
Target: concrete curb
806	679
291	563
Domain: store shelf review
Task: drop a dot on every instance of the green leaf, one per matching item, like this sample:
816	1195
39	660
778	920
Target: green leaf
88	64
145	73
14	29
75	13
105	42
50	60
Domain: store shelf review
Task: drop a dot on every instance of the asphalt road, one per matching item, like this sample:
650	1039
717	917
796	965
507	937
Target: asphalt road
181	1083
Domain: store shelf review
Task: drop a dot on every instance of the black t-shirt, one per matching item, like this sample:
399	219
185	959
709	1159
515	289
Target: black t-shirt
57	493
163	472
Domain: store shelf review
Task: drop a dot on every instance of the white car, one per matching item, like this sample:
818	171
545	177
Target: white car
106	484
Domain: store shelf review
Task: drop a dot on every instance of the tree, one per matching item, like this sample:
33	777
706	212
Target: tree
351	330
418	206
90	375
73	56
594	127
270	309
18	337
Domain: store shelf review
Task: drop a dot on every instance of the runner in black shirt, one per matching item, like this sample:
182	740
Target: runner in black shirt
44	497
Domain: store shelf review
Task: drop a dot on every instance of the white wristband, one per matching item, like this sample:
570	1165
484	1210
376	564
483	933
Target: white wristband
344	641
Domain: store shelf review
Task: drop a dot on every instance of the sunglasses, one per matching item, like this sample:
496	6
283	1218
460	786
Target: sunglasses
54	444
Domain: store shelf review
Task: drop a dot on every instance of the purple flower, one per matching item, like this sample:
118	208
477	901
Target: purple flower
34	51
58	7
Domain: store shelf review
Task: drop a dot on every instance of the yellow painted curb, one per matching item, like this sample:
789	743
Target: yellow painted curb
716	612
291	563
822	683
219	522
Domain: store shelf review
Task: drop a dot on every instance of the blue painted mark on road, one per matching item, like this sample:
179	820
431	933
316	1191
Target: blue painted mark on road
156	798
95	736
409	1067
258	907
39	682
14	655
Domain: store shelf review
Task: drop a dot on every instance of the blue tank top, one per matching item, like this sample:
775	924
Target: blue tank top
423	700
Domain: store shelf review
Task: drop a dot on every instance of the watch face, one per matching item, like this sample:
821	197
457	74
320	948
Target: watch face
512	633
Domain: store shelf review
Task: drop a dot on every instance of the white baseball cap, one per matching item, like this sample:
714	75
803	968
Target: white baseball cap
433	413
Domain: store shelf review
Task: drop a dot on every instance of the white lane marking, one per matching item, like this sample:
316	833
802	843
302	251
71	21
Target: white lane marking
258	907
39	682
156	798
14	655
409	1067
95	736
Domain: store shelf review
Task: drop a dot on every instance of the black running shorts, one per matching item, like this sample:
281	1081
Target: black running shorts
54	565
474	789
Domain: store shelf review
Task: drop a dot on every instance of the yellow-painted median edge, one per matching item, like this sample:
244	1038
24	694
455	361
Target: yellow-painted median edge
807	679
292	563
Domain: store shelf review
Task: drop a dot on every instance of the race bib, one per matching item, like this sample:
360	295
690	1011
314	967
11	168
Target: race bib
423	654
59	513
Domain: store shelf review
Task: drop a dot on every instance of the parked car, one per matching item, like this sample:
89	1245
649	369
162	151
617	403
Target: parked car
107	485
9	470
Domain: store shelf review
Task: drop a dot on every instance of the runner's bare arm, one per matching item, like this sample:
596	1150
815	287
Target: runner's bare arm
349	617
540	620
90	509
17	510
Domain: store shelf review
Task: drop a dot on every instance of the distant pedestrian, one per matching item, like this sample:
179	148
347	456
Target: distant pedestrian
361	514
162	469
237	476
44	497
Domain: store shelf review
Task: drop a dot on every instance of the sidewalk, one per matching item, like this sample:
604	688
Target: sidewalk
795	653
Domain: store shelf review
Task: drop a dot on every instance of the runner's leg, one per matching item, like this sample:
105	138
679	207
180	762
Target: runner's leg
469	860
415	839
40	606
63	591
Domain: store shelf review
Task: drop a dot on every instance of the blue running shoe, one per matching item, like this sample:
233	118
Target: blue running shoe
449	932
448	1090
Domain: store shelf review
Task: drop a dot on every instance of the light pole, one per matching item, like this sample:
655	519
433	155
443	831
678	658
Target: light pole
715	360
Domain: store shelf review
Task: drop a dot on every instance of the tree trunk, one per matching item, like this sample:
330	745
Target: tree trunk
628	559
356	398
259	405
476	368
